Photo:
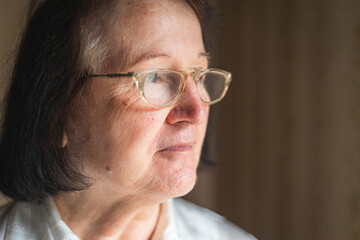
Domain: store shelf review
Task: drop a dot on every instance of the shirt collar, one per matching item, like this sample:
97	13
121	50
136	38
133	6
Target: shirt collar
42	221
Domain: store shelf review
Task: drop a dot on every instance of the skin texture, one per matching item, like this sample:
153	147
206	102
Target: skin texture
138	156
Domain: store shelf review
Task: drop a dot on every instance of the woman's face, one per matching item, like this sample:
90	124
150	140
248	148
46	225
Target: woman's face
129	147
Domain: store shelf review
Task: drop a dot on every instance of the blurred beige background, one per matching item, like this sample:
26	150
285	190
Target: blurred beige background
286	138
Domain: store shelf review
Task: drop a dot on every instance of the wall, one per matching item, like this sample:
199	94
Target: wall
288	130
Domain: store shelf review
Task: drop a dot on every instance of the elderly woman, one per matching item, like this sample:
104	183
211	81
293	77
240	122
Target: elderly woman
105	120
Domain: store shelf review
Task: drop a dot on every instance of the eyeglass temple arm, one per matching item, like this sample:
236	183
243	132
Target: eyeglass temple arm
113	75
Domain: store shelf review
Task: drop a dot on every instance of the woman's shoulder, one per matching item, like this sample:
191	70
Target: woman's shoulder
193	220
33	220
4	215
4	210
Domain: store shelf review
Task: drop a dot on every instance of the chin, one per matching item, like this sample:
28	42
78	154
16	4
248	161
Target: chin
185	183
176	182
177	173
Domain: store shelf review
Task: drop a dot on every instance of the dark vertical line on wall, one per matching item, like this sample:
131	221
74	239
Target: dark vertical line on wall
256	98
322	116
271	109
286	64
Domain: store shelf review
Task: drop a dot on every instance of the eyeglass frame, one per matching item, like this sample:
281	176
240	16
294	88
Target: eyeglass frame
195	74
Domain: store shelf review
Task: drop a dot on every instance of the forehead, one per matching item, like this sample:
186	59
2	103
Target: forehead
150	25
134	10
150	6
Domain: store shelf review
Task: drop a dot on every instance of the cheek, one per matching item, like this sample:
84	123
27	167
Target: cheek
128	136
120	129
122	151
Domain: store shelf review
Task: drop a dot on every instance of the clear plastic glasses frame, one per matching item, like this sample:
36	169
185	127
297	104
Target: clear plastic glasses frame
195	73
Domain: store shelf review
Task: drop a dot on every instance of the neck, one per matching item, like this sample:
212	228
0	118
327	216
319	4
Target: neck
106	218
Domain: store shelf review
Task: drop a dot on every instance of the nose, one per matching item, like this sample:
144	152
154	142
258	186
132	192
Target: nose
189	106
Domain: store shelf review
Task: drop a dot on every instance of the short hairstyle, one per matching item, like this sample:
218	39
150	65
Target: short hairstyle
63	40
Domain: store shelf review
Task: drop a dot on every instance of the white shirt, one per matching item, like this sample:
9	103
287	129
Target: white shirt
42	221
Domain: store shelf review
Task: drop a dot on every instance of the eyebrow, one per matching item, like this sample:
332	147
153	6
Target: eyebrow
151	55
148	56
207	55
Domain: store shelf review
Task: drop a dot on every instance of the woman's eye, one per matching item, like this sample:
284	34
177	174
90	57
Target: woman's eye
157	78
153	78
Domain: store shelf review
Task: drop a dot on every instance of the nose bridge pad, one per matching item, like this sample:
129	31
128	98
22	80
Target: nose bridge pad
190	88
193	75
195	78
189	73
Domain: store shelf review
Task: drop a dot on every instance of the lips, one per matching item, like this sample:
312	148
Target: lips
177	140
179	147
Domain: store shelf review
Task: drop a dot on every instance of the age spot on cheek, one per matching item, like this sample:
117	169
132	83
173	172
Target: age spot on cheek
108	169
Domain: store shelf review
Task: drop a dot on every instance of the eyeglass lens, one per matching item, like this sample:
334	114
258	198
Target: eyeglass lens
162	88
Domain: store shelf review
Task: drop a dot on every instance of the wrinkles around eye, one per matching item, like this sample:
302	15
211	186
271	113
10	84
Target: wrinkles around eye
122	92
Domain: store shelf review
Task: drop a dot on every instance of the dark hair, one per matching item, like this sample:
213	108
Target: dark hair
47	78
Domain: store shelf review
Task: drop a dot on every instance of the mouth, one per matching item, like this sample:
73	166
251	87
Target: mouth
182	147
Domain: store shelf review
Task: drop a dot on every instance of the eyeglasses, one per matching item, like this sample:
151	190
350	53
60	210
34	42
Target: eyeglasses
163	87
